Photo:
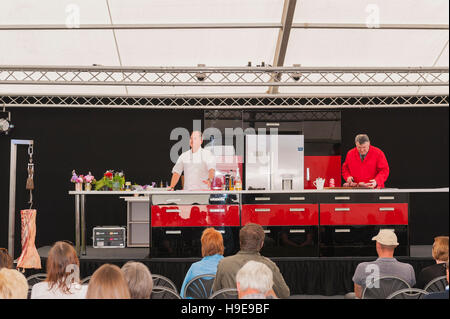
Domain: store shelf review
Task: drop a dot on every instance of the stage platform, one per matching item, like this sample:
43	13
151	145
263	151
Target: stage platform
325	276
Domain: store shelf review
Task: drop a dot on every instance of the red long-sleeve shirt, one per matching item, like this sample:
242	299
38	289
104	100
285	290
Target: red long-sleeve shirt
374	166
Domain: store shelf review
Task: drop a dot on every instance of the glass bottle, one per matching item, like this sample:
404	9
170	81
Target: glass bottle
238	181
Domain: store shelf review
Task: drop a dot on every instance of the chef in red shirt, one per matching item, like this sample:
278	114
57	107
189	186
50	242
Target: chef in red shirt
365	165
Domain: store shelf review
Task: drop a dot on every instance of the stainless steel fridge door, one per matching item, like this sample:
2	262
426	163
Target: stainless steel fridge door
287	156
257	161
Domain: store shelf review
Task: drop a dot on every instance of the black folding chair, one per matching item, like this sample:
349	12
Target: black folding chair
159	292
199	287
162	281
437	284
408	293
85	280
383	287
34	279
226	293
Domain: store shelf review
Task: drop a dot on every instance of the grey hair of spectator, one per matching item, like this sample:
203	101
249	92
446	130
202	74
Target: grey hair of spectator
139	279
255	275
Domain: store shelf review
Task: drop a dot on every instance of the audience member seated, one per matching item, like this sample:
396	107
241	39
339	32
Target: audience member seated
254	281
440	255
6	260
442	294
251	239
63	281
386	264
212	253
139	280
13	284
108	282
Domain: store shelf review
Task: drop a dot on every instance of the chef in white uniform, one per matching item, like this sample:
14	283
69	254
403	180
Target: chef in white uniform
198	165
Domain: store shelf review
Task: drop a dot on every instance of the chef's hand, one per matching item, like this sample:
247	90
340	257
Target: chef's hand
170	188
372	184
350	182
207	182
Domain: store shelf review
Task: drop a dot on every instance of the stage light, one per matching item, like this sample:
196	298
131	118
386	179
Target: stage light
297	75
200	75
5	122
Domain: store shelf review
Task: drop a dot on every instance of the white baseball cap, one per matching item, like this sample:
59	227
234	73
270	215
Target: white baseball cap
386	237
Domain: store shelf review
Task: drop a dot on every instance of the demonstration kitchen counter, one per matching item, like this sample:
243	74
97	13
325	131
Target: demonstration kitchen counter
306	209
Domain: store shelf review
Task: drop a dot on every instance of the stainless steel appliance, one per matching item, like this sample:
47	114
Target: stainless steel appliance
270	159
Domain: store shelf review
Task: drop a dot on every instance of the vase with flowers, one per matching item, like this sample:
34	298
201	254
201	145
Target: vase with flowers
77	180
88	180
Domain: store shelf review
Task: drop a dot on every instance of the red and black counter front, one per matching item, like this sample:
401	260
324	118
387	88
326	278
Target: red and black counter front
308	223
304	224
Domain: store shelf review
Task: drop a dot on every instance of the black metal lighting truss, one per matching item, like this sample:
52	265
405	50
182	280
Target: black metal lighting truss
225	102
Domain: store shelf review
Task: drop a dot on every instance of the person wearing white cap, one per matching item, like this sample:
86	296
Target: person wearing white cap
385	265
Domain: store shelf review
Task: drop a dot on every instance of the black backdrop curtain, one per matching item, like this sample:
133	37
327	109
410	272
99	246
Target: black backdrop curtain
415	141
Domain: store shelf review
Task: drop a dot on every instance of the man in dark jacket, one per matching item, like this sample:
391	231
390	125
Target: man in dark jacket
251	238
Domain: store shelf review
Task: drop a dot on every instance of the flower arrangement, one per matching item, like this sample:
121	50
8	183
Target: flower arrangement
111	180
75	178
88	181
89	178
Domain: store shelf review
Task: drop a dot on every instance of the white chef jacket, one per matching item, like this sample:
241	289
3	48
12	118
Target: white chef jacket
195	166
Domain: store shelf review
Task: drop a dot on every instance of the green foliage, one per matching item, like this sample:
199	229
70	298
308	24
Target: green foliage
107	183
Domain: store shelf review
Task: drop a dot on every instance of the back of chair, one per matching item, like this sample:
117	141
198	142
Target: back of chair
226	293
85	280
383	287
199	287
34	279
159	292
437	284
162	281
408	293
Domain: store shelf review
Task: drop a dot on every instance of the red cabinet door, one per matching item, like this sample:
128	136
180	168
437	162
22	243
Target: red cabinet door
364	214
280	215
223	215
195	215
322	166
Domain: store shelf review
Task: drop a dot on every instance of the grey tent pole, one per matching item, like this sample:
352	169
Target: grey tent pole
12	192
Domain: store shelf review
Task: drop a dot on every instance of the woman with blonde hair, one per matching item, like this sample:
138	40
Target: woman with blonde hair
108	282
13	284
212	253
440	255
63	275
139	280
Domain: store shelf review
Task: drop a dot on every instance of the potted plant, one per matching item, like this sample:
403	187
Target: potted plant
118	181
110	181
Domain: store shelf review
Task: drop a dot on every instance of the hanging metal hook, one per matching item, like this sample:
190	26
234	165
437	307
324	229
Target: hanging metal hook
30	169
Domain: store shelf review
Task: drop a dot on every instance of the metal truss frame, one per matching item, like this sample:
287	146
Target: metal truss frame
226	101
224	76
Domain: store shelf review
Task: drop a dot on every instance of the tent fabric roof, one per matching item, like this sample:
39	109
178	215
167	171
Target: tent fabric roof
232	46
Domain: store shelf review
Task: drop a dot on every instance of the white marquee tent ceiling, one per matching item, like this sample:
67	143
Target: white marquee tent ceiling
367	47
